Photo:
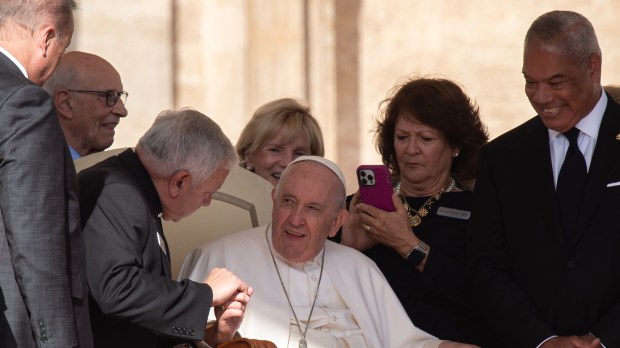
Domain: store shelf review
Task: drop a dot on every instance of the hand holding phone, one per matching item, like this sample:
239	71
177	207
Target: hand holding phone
375	186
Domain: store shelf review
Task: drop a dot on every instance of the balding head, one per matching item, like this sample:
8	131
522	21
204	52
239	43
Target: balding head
77	69
78	86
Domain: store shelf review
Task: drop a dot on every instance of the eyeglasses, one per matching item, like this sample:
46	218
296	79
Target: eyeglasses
111	96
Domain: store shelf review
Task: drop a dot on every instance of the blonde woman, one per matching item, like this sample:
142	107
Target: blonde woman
277	133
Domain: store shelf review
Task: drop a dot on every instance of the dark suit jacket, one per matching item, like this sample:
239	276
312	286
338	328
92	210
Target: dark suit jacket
530	283
135	301
43	292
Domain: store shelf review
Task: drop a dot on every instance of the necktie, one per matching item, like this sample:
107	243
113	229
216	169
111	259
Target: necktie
571	184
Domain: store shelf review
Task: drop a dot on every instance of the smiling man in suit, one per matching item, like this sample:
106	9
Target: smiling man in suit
89	99
544	239
43	291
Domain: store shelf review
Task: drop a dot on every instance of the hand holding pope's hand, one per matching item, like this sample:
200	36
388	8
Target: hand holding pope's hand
227	286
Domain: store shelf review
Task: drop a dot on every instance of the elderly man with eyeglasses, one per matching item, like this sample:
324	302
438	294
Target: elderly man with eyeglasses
89	99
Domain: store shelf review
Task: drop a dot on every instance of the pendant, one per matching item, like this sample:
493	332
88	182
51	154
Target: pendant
415	220
302	343
422	212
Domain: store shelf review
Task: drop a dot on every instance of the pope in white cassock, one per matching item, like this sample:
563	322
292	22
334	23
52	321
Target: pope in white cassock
308	291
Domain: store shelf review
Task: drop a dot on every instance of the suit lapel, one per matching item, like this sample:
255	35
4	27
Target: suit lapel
130	160
12	68
605	158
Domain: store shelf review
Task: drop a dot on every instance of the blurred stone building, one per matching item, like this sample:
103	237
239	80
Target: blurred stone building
227	57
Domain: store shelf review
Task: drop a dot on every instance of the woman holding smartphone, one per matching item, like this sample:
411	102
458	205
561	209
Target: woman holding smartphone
429	135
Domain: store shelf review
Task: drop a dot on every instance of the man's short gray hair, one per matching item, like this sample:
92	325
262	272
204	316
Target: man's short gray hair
568	30
186	139
30	14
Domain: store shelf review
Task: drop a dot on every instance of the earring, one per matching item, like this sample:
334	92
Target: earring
248	167
456	154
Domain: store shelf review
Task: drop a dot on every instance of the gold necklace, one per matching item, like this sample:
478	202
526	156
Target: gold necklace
416	220
302	341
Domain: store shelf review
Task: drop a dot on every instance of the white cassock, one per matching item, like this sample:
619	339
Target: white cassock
355	307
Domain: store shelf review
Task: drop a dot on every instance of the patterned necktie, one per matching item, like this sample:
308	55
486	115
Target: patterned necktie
570	187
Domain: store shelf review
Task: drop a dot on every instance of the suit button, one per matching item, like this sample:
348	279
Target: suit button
571	264
44	339
191	332
174	329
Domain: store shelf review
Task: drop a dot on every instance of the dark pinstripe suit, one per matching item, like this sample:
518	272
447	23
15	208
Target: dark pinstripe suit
43	291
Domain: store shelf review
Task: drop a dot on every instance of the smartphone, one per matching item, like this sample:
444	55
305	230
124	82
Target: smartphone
375	186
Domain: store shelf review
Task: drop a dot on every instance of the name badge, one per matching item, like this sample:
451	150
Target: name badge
454	213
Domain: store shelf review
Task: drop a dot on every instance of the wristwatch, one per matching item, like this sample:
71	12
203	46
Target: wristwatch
418	253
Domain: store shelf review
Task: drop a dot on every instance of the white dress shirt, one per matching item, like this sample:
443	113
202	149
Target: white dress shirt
586	140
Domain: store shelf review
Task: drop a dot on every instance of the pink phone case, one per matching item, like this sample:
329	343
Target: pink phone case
375	186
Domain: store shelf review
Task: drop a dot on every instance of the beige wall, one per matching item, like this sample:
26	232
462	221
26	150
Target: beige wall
227	57
136	37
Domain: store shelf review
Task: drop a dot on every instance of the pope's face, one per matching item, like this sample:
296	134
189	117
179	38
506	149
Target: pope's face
304	211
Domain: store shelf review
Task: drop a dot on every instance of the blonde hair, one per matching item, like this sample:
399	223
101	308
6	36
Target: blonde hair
286	115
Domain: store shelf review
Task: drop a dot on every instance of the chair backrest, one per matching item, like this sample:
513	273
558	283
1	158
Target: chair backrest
94	158
243	201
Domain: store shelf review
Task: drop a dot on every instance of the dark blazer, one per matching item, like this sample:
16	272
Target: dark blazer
529	282
43	292
135	303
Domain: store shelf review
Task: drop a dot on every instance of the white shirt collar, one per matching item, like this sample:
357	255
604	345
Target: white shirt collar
14	60
590	124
